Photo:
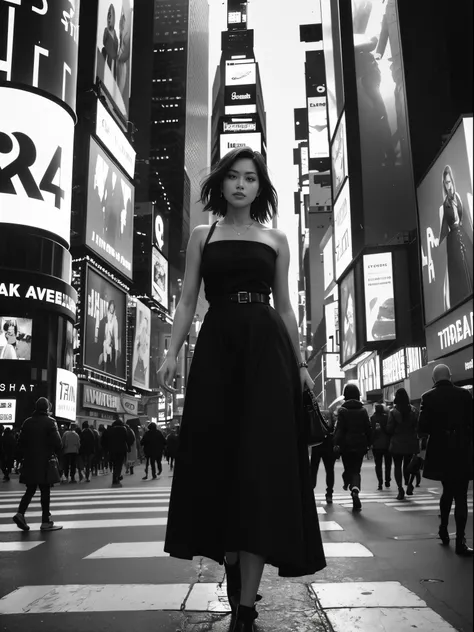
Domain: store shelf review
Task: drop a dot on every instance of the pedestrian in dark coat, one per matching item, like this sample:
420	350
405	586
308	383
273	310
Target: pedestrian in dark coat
446	416
39	440
325	451
87	449
153	443
402	425
352	439
8	450
380	445
118	444
172	444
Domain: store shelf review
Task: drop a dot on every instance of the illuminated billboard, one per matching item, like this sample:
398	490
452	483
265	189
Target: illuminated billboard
331	314
115	141
342	230
66	394
141	347
110	199
240	72
318	127
340	168
445	220
36	138
379	297
239	126
228	142
113	62
332	61
15	338
159	278
348	334
328	262
105	326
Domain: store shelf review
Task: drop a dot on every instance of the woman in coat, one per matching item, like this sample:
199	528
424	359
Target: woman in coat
352	439
402	425
380	445
39	440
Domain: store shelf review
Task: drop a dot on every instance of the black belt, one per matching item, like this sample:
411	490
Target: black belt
240	297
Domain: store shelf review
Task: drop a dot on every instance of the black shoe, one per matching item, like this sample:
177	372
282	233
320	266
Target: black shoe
244	620
401	494
131	470
462	548
120	478
154	476
443	535
387	483
379	487
410	489
19	520
329	498
345	487
356	504
144	478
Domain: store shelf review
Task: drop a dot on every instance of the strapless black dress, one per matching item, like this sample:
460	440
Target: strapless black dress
241	479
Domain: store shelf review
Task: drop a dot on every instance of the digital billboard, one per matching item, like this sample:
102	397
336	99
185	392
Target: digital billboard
348	333
320	195
340	168
66	394
228	142
331	314
110	200
114	50
240	72
141	347
379	297
114	139
394	368
39	45
328	262
235	125
332	61
36	140
15	338
105	326
318	127
445	220
159	278
342	230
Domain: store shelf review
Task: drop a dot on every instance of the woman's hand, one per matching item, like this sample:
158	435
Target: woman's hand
166	374
306	380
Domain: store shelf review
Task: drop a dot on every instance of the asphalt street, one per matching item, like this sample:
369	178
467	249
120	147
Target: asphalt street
106	570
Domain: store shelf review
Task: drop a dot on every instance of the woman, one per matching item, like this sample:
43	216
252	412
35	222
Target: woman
402	423
325	451
242	415
352	439
380	445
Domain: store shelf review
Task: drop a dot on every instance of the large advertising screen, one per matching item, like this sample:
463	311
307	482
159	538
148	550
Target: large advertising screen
110	200
113	64
331	313
342	230
340	168
159	278
332	61
348	334
240	72
115	140
328	262
318	127
15	338
445	219
105	326
39	44
379	297
141	347
228	142
66	394
36	151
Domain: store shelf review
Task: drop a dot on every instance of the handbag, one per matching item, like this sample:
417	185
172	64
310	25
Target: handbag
52	475
315	426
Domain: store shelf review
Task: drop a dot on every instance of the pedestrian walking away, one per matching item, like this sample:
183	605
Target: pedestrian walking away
232	499
118	445
352	438
402	426
71	445
87	449
7	452
153	443
39	440
446	417
380	445
325	452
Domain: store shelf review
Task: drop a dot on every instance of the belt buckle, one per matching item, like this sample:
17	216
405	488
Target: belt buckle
246	298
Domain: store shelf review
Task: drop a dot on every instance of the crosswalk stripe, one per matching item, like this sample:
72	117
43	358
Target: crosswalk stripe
10	547
117	499
94	524
106	510
118	492
427	508
346	549
82	503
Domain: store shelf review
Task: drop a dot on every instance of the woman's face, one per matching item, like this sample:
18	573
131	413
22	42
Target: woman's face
10	335
111	17
449	185
241	185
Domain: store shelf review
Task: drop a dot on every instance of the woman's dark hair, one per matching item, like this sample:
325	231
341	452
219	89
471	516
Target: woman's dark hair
265	205
402	401
447	171
10	323
351	391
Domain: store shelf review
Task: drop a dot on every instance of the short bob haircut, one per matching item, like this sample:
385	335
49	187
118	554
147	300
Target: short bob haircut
265	205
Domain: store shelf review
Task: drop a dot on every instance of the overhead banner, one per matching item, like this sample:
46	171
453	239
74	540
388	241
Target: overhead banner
228	142
445	220
114	139
141	347
105	326
113	62
379	297
318	127
36	140
39	45
451	332
110	200
342	231
348	333
66	394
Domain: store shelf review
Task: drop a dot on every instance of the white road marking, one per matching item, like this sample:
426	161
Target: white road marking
101	503
366	595
94	524
330	525
387	619
98	512
9	547
346	549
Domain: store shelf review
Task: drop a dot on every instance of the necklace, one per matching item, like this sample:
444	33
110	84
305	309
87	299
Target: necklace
243	231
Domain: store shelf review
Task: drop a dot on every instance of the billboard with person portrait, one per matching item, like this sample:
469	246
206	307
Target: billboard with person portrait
105	326
379	297
110	203
141	347
159	278
446	225
15	338
348	331
113	64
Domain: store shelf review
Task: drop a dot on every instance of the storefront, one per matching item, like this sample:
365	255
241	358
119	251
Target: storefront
397	367
99	405
460	364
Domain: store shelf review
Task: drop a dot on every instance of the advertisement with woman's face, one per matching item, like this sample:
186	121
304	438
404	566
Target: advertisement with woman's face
348	333
446	226
105	326
114	50
141	347
15	338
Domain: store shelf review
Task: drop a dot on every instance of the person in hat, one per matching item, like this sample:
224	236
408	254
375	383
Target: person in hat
39	440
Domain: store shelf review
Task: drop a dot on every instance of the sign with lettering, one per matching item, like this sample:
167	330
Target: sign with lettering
7	411
394	368
115	140
452	332
28	289
36	151
66	394
100	399
368	375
